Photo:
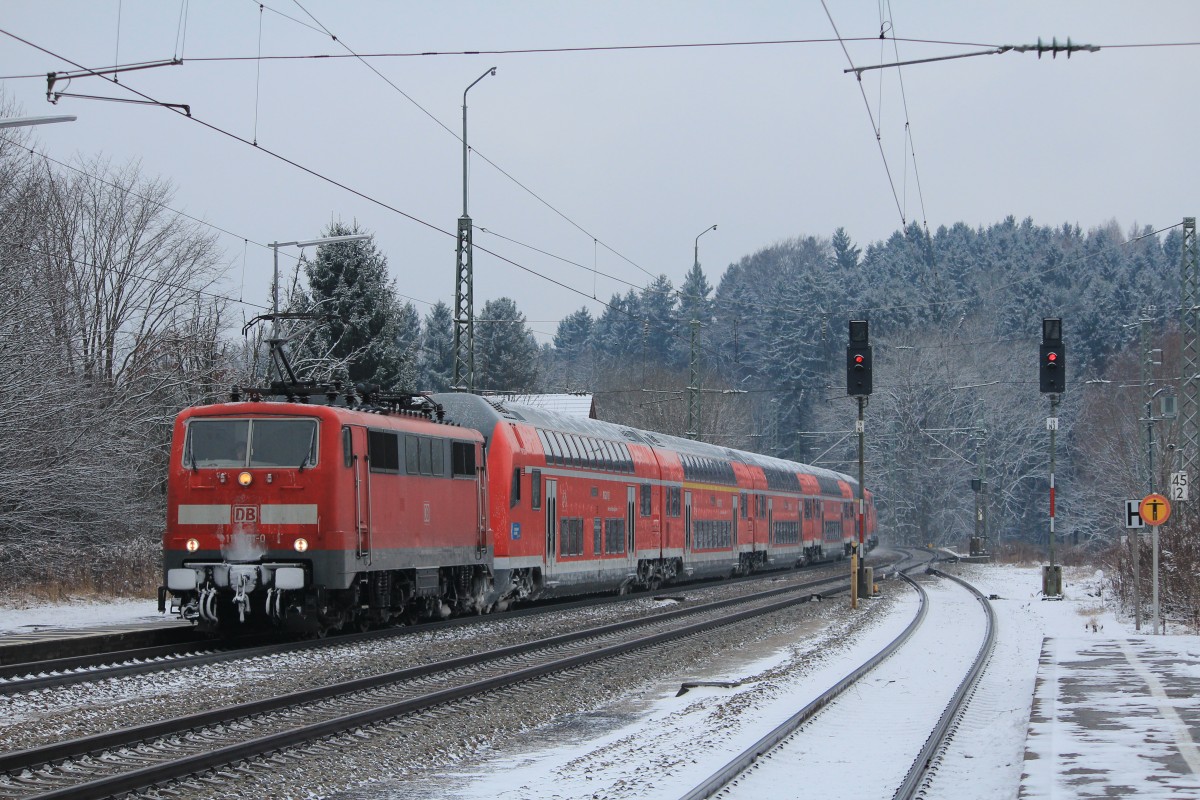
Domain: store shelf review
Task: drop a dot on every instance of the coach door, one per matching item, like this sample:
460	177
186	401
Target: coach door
770	520
631	510
734	526
551	499
687	522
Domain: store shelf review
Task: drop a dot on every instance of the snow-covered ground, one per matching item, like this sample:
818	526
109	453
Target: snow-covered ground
648	756
654	743
79	613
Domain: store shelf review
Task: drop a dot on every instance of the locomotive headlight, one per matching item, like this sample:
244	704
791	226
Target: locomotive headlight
301	544
245	479
193	545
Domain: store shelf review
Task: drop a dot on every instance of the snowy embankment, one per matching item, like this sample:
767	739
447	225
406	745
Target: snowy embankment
649	742
79	613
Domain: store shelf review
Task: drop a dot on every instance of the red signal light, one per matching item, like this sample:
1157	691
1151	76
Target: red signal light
858	360
1052	359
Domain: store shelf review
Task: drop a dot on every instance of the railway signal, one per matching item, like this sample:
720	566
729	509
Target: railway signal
1053	362
858	385
858	360
1053	379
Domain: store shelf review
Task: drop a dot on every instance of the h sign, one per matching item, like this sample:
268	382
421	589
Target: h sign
1133	518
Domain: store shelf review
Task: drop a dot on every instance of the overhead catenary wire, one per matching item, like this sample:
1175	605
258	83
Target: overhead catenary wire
907	122
489	161
85	70
600	49
112	185
37	251
332	181
874	126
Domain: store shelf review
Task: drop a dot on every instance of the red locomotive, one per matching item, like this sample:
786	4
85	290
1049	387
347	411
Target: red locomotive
331	512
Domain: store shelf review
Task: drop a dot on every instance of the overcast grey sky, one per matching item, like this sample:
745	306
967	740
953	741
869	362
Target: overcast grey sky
638	149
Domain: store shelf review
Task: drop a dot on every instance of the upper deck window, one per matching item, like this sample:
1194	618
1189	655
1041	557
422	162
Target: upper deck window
235	443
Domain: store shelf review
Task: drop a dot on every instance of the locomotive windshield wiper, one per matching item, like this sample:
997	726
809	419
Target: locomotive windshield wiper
308	453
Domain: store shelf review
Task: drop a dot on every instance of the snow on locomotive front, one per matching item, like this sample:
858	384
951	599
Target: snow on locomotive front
312	517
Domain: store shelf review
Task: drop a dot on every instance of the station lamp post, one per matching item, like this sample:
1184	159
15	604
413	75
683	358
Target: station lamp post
693	393
25	122
354	237
464	287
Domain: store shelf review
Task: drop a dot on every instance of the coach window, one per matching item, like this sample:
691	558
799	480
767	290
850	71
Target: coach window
645	499
535	489
597	531
514	493
573	449
545	445
559	446
614	535
555	457
383	451
463	459
347	447
743	502
626	458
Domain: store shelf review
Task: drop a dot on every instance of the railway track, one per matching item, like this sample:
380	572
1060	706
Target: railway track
53	673
136	758
810	743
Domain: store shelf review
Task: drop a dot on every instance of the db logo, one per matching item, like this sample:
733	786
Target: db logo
245	514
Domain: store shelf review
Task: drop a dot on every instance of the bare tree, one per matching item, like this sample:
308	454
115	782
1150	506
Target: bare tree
119	268
107	327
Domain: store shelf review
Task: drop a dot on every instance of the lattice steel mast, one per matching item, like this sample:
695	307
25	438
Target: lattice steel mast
1189	327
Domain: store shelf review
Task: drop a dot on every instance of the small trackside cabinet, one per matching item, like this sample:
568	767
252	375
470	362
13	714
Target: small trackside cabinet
1052	581
866	581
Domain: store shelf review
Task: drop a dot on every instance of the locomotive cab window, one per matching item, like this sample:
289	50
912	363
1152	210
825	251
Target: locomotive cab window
463	459
383	451
347	448
233	443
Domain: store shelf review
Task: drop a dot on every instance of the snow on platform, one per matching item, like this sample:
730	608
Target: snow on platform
1115	717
